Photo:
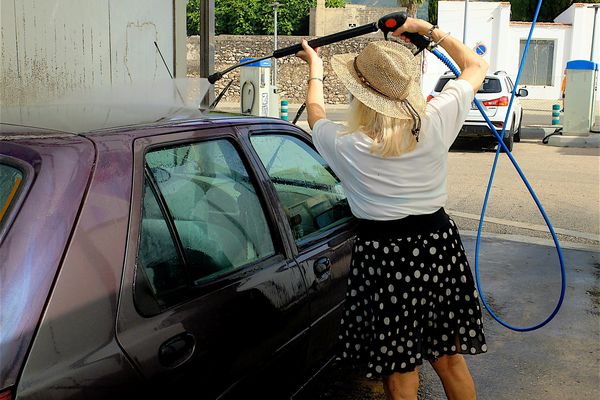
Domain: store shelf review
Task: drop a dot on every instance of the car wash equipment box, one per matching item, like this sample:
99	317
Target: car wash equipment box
580	96
256	92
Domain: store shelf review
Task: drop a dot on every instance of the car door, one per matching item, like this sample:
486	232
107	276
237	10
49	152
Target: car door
319	218
212	296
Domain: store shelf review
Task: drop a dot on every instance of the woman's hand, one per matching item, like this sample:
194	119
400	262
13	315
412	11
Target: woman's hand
473	67
309	55
315	100
414	25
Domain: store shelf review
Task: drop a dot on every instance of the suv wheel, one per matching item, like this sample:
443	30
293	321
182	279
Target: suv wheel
517	136
509	139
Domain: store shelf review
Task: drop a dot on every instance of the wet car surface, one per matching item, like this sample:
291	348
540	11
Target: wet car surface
190	253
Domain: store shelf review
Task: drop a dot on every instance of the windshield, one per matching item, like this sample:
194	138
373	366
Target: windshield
489	85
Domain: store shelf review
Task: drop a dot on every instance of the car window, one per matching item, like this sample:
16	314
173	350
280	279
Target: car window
309	191
201	216
509	84
10	182
158	255
489	85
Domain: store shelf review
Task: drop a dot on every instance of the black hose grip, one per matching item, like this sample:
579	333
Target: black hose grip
418	40
214	77
329	39
390	22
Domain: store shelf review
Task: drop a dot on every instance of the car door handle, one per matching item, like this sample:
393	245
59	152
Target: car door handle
177	350
322	266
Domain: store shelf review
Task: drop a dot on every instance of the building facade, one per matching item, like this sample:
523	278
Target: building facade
490	29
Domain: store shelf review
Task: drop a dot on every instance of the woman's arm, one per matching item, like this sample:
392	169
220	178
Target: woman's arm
473	67
315	101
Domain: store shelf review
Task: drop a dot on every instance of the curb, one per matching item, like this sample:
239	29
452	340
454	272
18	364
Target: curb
525	225
532	241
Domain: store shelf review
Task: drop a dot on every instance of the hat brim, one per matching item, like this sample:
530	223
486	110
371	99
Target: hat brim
343	67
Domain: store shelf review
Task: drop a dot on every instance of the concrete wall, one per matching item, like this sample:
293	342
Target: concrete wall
583	24
49	48
325	21
490	19
489	23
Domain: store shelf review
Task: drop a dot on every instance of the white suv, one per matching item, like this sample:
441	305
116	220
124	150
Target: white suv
494	96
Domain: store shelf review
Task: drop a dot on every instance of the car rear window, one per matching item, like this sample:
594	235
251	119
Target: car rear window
489	85
10	182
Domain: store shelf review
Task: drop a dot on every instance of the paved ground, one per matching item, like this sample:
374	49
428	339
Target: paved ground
521	281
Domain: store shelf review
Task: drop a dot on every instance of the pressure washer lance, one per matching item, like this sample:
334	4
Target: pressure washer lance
386	24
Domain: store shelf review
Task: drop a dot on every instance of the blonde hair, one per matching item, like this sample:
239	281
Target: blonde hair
391	136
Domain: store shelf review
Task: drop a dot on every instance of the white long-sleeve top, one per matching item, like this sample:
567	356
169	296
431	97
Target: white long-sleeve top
414	183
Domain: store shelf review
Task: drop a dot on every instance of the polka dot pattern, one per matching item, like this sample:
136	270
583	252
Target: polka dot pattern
409	300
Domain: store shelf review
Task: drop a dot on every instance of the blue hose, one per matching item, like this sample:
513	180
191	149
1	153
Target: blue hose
501	145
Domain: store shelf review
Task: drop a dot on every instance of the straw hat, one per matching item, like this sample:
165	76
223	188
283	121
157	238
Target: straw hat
384	77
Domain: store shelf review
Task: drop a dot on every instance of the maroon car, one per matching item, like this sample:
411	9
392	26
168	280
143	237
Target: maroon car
165	252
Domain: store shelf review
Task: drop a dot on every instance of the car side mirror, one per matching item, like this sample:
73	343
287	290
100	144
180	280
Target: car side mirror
523	93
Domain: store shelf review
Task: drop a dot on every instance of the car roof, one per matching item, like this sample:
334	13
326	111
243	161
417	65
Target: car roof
493	76
43	121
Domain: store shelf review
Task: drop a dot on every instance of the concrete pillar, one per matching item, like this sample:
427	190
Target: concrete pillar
319	19
207	46
180	38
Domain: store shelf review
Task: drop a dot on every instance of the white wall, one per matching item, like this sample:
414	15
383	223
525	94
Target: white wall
52	47
486	24
583	24
559	34
489	23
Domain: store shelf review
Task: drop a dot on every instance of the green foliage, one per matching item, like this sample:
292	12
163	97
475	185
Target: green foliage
411	5
433	11
193	17
524	10
255	17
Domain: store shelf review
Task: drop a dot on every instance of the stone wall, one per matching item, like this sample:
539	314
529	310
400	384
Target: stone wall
292	72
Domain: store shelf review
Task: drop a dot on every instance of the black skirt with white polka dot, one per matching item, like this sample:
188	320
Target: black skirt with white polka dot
410	297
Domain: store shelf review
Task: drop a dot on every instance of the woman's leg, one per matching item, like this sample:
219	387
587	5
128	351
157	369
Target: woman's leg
401	385
455	376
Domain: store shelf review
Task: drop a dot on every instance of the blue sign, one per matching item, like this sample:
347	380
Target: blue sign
480	48
261	63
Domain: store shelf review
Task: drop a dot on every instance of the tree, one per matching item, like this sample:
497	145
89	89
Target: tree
524	10
411	6
433	11
255	17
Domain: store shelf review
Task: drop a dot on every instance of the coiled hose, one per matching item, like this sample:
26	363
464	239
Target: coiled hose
502	146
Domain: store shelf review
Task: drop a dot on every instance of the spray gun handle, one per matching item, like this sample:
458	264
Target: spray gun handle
329	39
390	22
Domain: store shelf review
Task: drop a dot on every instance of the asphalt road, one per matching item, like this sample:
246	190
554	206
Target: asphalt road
566	181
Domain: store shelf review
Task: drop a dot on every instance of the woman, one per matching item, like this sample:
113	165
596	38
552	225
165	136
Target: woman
410	293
